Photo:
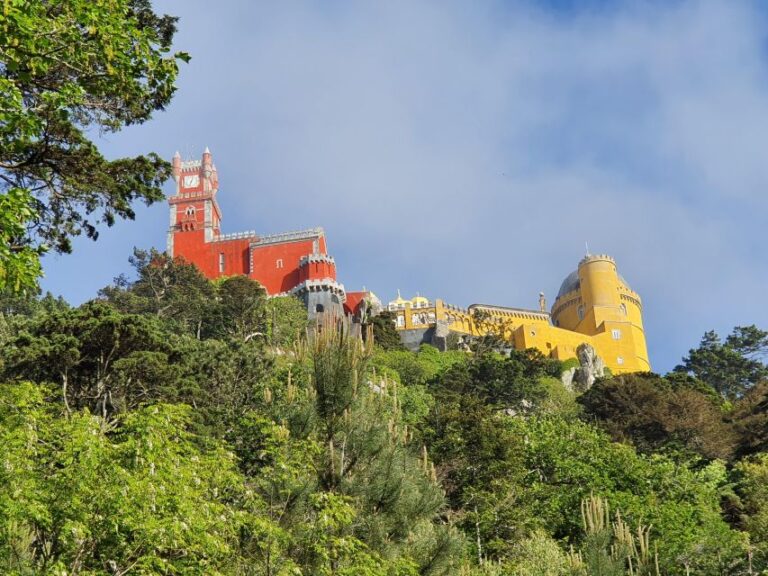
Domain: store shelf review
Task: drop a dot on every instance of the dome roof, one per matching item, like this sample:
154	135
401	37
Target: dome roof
419	300
570	284
399	301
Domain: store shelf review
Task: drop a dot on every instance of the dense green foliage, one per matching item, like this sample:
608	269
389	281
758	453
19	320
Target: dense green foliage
670	414
68	67
177	426
384	332
182	426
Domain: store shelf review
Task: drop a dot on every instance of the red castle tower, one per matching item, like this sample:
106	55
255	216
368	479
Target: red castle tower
289	263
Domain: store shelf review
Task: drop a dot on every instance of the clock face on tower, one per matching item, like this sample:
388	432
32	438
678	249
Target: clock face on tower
191	181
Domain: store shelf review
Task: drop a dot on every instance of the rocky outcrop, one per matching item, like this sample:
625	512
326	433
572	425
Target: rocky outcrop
591	367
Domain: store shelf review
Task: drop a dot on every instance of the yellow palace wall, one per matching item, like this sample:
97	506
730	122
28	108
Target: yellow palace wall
595	306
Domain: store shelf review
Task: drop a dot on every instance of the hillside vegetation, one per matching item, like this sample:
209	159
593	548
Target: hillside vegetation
180	426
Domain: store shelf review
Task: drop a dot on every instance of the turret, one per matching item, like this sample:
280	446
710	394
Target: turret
599	281
317	267
596	301
176	166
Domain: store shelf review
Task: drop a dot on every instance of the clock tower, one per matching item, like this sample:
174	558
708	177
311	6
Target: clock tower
295	262
195	215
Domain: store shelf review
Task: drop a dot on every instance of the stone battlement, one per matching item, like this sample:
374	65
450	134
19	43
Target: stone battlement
316	258
291	236
235	236
596	258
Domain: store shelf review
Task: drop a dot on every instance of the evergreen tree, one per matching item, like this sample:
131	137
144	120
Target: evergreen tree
169	288
97	357
660	414
67	69
368	456
731	367
239	310
384	331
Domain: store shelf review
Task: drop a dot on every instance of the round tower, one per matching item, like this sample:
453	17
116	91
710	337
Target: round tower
599	282
595	300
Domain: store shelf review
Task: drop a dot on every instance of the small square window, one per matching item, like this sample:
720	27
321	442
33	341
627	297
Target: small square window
619	360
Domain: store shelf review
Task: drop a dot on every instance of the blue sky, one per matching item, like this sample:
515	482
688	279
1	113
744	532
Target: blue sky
468	150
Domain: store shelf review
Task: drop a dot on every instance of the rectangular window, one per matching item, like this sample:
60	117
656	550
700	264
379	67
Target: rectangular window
221	262
616	334
279	263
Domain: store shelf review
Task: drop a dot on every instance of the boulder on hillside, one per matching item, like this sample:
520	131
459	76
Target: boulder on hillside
591	367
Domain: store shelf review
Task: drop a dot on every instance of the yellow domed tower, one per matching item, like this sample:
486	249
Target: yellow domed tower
596	301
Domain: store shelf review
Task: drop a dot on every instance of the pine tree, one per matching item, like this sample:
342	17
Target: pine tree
369	457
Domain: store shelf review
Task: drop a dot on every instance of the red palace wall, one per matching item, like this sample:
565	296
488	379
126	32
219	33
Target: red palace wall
192	247
268	258
276	263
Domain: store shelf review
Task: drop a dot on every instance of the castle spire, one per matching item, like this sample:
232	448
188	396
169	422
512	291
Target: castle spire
176	166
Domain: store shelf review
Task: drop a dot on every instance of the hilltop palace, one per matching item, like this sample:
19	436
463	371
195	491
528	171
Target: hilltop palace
594	306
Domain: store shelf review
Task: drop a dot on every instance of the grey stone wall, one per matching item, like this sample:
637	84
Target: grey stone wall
323	302
415	337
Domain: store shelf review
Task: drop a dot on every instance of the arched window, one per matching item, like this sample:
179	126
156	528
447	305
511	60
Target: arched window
190	211
623	308
580	312
319	308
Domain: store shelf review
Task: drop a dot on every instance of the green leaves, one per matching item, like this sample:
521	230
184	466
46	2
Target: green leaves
76	497
66	67
19	262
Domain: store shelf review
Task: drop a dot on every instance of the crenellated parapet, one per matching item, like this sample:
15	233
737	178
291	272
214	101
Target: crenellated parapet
596	258
316	267
294	236
249	235
316	259
327	285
